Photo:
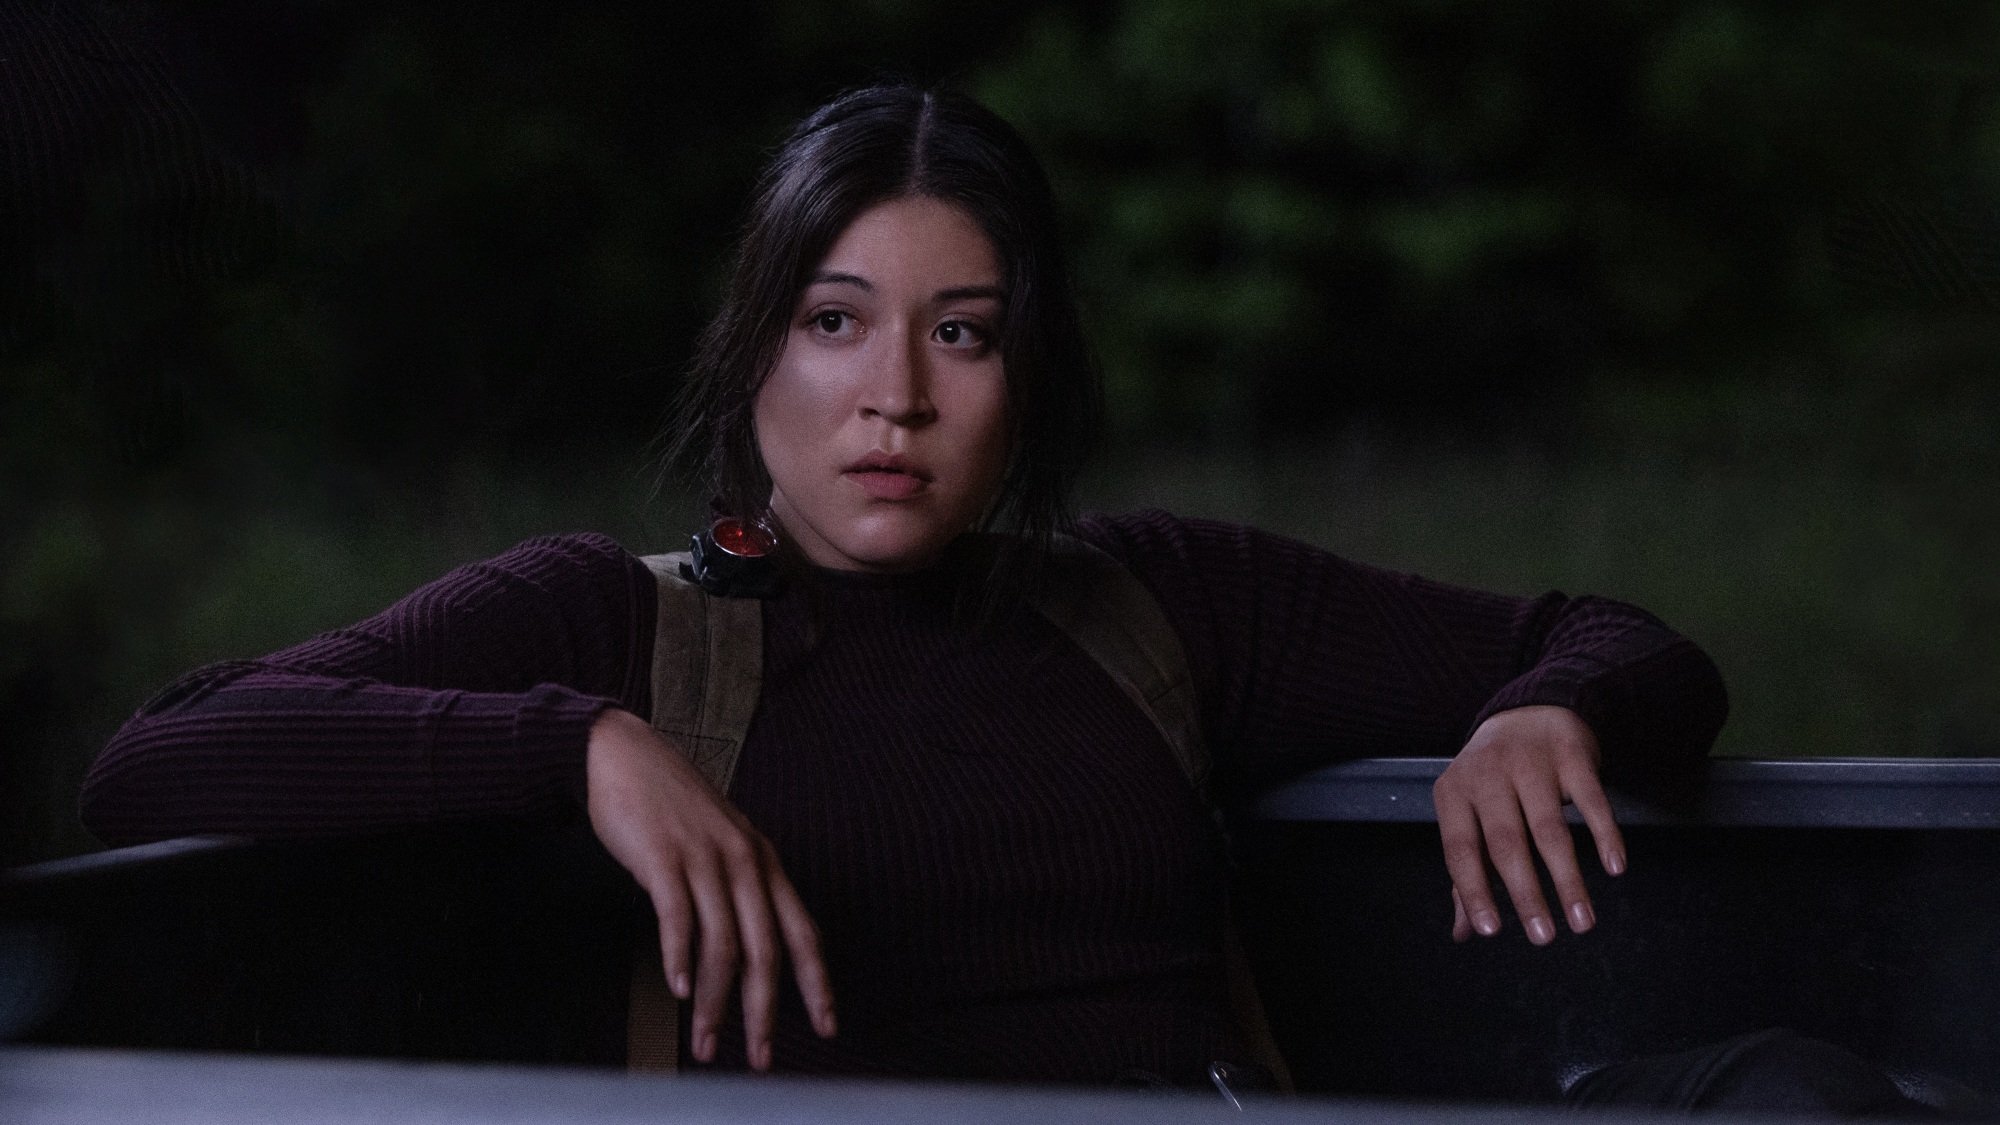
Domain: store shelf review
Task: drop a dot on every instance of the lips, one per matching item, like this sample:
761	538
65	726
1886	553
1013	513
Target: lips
888	476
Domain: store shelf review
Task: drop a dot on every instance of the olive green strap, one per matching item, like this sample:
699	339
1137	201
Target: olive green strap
1246	1006
708	669
1103	607
652	1015
1117	622
708	672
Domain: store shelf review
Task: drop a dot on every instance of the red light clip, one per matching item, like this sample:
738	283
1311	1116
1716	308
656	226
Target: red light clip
734	558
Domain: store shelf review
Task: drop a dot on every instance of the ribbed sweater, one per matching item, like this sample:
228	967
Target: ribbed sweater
1011	876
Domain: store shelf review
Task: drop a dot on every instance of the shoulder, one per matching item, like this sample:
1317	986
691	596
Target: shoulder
1165	549
1161	546
585	572
1137	538
1176	557
1213	572
576	552
559	561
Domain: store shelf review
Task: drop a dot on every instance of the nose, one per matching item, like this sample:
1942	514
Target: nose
899	381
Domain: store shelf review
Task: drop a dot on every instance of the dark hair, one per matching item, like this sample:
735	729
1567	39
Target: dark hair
866	147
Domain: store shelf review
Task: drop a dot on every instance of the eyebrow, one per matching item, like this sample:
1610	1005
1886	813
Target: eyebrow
973	293
955	293
832	277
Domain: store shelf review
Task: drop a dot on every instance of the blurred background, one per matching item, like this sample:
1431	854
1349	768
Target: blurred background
303	302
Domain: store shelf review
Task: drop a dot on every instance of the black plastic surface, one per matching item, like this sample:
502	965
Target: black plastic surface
1886	941
1851	900
1743	792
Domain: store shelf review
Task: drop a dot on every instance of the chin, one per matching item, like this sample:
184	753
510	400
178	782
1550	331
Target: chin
895	548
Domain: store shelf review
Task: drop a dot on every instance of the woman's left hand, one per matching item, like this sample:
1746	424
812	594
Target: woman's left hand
1506	788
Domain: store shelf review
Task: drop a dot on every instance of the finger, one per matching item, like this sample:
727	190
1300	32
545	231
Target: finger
676	915
1543	808
715	970
802	942
1461	928
1587	794
1507	850
1465	859
759	935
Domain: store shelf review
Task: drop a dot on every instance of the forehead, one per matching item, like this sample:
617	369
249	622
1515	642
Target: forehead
915	241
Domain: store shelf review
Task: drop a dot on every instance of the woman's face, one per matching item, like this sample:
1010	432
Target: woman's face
884	424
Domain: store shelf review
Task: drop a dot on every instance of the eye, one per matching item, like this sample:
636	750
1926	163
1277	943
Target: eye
961	334
830	322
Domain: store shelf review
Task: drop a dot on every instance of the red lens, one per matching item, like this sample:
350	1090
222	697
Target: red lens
745	540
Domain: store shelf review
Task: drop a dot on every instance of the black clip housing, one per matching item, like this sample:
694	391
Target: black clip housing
734	558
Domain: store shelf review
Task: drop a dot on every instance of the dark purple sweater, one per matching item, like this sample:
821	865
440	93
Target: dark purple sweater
1012	878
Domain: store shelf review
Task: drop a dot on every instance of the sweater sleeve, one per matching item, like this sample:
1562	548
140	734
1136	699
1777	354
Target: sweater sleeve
1301	657
473	696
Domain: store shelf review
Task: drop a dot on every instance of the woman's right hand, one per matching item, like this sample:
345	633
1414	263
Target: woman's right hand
714	880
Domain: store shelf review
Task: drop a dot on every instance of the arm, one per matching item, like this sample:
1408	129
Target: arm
507	687
472	696
722	899
1300	656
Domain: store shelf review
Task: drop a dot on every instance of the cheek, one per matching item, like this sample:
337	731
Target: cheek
993	439
790	411
774	426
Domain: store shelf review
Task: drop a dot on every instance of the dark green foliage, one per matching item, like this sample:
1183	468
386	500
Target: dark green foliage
1290	213
303	301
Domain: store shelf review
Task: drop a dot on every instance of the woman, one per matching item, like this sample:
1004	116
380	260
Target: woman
945	813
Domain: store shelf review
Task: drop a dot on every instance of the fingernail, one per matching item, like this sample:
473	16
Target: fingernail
828	1025
760	1056
1580	917
1486	922
681	986
1541	931
1614	862
705	1049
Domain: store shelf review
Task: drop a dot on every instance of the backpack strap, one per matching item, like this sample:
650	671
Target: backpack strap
708	669
708	654
1103	607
